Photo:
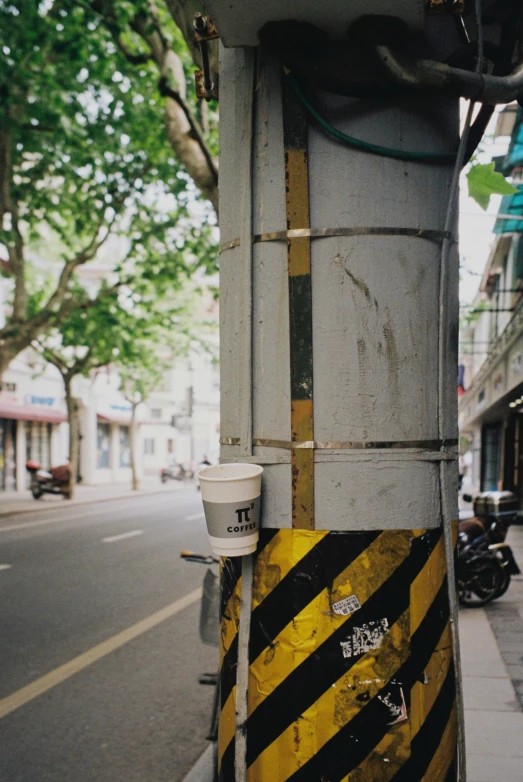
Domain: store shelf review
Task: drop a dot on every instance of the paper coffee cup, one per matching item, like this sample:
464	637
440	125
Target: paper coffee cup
231	501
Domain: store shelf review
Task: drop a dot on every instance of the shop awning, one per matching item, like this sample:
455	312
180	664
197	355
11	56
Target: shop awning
115	418
31	413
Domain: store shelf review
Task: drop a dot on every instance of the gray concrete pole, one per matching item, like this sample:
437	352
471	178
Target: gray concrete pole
349	665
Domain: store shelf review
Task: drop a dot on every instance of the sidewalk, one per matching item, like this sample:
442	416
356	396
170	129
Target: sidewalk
13	503
492	660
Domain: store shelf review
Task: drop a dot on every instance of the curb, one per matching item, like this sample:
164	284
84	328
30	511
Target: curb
79	503
202	771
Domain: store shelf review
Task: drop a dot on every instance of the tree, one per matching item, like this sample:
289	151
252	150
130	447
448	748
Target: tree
138	380
85	166
122	328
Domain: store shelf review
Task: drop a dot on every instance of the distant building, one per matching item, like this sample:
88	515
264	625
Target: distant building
491	348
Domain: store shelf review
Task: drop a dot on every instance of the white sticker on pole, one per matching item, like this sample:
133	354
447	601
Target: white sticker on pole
346	606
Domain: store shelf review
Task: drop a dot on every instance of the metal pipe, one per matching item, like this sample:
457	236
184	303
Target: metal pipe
429	74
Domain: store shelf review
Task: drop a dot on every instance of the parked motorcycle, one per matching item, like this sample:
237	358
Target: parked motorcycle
175	472
485	561
53	481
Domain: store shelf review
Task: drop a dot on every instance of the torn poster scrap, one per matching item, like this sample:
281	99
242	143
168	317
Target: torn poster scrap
394	700
365	638
346	606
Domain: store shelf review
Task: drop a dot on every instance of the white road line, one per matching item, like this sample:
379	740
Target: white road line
123	536
5	567
195	516
77	664
89	511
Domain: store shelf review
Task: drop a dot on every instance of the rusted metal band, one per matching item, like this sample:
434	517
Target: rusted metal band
333	445
319	233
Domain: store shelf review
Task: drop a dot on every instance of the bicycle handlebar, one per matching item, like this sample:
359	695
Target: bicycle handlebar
202	559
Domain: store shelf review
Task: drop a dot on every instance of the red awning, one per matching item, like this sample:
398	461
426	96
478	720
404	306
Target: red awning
115	418
31	413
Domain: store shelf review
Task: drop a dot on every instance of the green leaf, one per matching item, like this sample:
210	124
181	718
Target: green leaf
484	181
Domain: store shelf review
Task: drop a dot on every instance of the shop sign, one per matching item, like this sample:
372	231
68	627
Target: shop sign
43	401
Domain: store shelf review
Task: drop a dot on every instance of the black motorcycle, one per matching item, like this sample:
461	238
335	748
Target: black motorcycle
485	561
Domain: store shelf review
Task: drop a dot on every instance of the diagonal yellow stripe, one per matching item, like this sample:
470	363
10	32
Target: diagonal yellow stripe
278	557
441	760
226	725
426	585
334	709
230	620
387	757
312	626
423	694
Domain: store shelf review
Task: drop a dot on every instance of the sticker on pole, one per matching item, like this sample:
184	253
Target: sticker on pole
346	606
365	638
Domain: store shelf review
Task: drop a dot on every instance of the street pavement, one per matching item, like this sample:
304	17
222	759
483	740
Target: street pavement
492	660
99	646
100	653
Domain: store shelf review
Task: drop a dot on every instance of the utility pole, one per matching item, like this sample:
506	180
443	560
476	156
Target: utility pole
339	320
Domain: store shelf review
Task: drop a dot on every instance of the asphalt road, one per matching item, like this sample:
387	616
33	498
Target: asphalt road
95	684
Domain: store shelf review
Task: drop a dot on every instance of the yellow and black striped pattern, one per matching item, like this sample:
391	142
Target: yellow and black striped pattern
367	695
295	135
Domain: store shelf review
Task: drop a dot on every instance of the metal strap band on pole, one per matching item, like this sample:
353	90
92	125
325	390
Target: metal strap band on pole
322	233
295	140
333	445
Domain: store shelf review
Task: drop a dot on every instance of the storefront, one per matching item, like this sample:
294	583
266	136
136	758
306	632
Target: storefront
27	433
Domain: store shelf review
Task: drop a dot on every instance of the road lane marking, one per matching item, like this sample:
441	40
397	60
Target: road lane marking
123	536
84	515
195	516
77	664
5	567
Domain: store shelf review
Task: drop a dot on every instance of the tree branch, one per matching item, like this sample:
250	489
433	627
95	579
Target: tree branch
197	133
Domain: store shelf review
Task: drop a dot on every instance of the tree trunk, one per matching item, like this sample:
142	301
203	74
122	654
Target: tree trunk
74	434
134	472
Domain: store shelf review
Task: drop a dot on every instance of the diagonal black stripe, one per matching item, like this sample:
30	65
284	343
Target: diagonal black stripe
310	576
452	775
313	573
428	738
319	671
232	569
231	573
341	755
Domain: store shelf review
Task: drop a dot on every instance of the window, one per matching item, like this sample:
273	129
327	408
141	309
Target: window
125	447
148	446
156	412
491	457
102	445
10	387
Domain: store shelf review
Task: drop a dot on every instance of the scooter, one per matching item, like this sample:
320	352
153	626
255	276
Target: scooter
54	481
485	561
176	472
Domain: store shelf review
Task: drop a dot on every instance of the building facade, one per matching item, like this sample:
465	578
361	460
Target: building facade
491	350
